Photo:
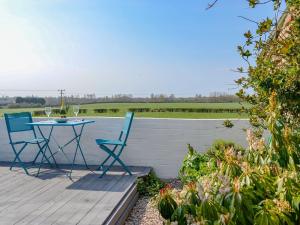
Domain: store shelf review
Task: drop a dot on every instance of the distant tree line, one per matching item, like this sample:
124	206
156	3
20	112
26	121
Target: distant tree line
30	100
215	97
218	97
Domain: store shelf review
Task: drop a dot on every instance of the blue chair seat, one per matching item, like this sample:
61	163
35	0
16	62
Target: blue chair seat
109	142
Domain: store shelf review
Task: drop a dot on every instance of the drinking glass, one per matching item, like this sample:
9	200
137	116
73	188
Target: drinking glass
76	110
48	111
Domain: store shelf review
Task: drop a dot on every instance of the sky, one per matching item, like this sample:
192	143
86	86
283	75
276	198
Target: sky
111	47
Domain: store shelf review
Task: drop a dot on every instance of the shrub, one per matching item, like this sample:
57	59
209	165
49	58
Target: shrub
139	109
149	185
259	185
234	186
100	110
38	113
114	110
194	165
83	111
228	124
56	111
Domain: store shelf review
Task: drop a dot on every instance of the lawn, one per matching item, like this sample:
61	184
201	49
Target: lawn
124	107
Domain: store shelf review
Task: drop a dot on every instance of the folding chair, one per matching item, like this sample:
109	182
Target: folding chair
17	122
117	146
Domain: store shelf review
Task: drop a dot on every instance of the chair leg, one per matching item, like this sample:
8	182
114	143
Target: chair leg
36	157
42	160
108	157
13	163
107	169
17	158
124	166
102	164
41	151
116	158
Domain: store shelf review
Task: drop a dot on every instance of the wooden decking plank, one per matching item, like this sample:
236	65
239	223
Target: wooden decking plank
13	181
123	208
21	203
48	208
107	206
14	195
111	198
43	205
94	199
38	201
55	199
77	207
57	211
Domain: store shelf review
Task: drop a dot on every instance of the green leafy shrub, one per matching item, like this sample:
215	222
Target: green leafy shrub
245	186
228	124
197	164
149	185
261	184
219	146
194	165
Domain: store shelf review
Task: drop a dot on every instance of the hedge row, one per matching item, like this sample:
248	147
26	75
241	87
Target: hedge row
189	110
139	110
56	111
106	110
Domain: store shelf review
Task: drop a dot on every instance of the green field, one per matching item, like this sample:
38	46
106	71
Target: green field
123	107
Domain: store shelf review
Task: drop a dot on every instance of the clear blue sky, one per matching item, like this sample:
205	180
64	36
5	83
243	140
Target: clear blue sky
122	46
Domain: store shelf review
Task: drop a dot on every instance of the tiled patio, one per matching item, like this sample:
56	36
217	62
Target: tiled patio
53	198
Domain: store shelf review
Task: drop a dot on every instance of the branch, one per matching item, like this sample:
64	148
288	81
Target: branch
245	18
210	5
265	2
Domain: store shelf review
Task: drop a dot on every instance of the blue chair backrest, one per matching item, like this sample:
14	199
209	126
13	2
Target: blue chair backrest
17	122
127	125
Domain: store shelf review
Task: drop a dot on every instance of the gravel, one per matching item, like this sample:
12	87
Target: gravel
145	212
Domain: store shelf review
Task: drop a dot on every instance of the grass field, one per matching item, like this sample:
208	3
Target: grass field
123	107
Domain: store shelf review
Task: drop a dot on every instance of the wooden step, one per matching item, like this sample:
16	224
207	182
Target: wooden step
123	209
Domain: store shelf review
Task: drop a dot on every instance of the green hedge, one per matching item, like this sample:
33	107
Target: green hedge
39	113
187	110
100	110
84	111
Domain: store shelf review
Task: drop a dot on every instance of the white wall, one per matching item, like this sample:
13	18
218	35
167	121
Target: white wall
158	143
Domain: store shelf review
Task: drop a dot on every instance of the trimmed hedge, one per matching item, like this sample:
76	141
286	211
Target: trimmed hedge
39	113
56	111
139	109
187	110
84	111
143	110
100	110
114	110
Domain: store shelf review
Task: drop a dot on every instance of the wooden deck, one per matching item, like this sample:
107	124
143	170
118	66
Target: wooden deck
53	198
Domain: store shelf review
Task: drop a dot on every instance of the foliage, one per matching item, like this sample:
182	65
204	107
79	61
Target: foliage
194	165
272	56
259	185
228	124
197	164
149	185
30	100
206	110
245	186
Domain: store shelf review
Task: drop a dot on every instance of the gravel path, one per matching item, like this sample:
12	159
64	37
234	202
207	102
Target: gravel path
145	213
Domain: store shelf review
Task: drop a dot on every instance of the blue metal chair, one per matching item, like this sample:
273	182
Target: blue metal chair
18	122
119	144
